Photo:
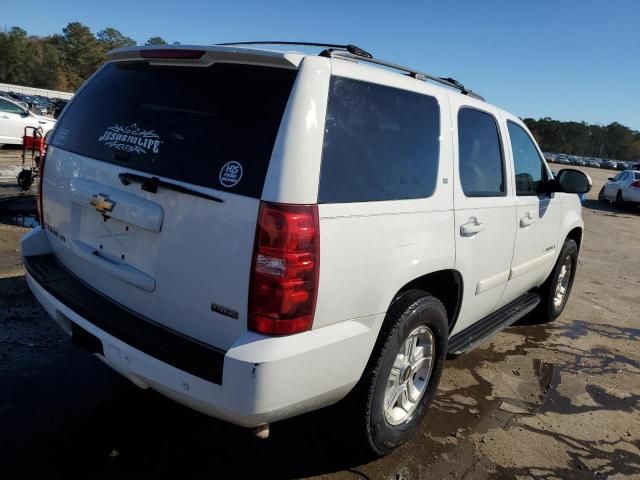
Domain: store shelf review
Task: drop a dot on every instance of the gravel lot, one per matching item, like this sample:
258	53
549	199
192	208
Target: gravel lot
557	401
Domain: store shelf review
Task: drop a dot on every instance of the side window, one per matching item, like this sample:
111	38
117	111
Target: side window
380	143
9	107
480	154
529	167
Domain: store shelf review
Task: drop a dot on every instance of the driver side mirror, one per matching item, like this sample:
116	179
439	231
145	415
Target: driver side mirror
571	180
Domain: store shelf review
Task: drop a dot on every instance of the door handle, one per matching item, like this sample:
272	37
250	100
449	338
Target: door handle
471	228
527	220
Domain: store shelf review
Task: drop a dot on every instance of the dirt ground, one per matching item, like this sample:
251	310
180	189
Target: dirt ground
558	401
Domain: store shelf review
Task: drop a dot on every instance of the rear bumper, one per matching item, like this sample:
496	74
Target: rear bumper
258	380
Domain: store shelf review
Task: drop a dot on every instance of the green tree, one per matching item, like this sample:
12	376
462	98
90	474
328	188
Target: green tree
81	52
14	56
156	41
111	38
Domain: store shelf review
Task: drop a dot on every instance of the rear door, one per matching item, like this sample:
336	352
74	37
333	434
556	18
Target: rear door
484	208
152	187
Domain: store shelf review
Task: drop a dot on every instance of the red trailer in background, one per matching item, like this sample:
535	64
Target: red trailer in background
33	146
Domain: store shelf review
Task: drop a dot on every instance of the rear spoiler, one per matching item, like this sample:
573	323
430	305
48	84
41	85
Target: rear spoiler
198	55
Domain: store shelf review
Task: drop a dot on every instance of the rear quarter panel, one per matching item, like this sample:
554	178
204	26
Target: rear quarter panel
370	250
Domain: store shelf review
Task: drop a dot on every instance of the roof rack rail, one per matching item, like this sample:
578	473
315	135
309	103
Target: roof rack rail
353	49
356	53
449	82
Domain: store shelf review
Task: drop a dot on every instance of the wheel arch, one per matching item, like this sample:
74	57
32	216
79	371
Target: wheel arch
576	235
446	285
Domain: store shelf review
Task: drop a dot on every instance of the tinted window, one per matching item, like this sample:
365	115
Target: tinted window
380	143
9	107
480	154
529	167
636	175
211	126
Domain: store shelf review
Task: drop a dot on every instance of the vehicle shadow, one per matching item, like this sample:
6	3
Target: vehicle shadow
142	433
64	414
610	208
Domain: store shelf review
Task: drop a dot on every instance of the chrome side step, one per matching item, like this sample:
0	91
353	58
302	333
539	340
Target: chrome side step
480	331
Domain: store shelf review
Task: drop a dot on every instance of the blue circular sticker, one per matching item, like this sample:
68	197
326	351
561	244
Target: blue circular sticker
230	174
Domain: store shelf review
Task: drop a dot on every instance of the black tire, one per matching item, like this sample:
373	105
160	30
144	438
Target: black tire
619	199
25	179
414	308
549	310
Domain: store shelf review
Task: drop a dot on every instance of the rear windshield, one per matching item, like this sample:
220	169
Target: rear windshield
210	126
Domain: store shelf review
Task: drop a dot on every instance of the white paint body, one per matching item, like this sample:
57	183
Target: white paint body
184	252
13	120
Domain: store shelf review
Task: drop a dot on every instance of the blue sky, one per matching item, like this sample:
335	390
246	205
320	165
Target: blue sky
567	59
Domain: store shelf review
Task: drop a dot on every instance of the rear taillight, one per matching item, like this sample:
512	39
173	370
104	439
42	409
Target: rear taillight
39	210
635	184
284	275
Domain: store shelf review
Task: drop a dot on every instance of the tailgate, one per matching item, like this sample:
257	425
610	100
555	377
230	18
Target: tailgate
152	188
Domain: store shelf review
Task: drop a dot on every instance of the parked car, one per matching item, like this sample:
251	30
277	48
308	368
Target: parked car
593	163
14	118
319	237
59	107
622	189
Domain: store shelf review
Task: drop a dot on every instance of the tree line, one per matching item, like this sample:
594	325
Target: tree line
613	141
62	61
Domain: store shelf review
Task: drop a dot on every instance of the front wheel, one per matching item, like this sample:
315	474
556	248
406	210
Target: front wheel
556	289
601	197
619	199
404	371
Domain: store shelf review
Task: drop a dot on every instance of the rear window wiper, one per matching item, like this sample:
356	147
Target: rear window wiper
151	184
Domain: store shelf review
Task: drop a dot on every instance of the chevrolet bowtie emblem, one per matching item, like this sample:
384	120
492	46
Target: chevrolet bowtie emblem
102	203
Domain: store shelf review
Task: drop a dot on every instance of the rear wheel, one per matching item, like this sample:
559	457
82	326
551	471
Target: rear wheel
619	199
556	289
403	373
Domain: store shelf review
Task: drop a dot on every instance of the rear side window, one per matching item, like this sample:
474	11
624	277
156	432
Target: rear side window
380	143
636	175
480	154
210	126
529	168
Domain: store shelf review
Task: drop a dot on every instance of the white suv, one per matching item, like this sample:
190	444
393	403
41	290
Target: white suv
257	234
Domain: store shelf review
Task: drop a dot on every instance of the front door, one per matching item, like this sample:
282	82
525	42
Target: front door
11	122
538	218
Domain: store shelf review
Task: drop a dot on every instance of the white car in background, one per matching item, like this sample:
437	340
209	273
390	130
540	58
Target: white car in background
14	118
624	188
